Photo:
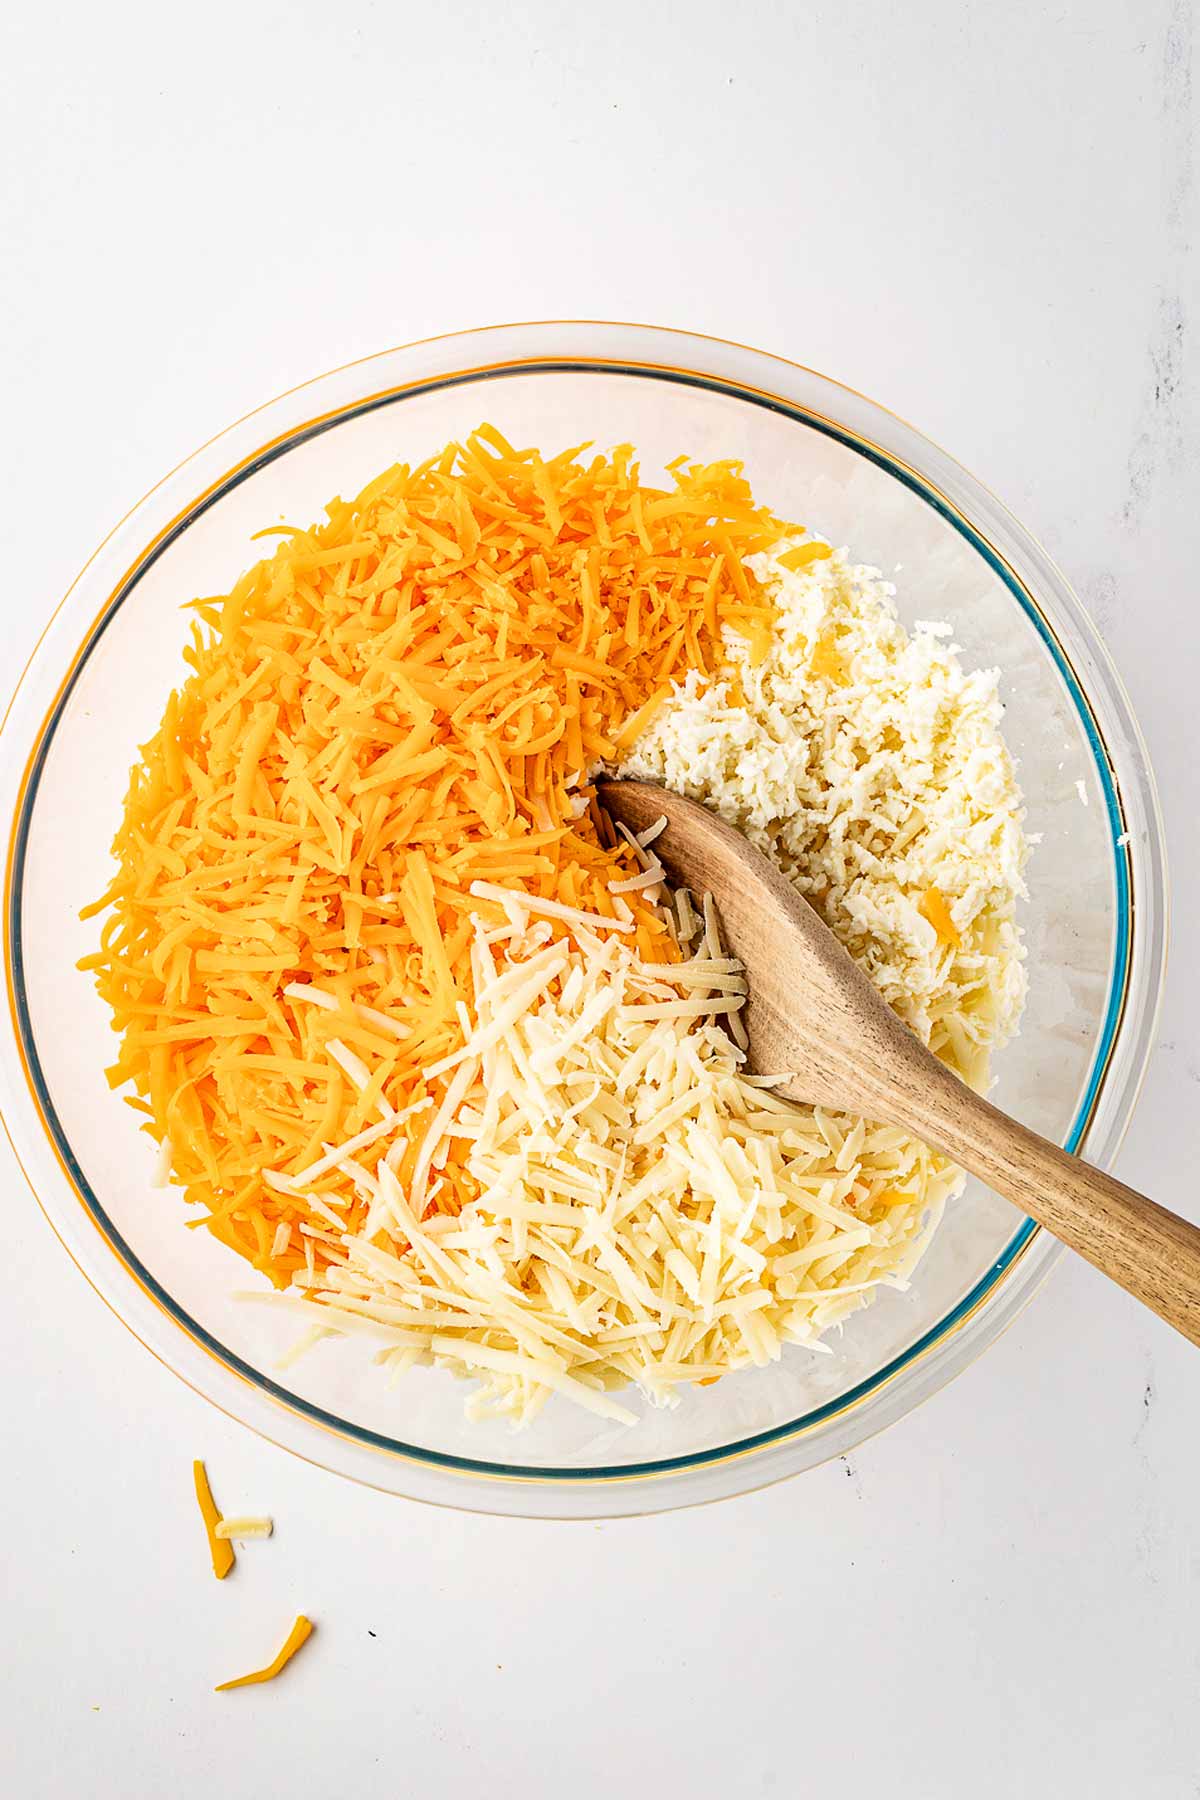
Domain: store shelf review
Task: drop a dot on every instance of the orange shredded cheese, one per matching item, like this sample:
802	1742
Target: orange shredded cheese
300	1633
932	906
827	660
219	1548
397	704
889	1197
802	556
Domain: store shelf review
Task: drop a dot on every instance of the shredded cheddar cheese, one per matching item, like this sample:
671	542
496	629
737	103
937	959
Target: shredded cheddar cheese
219	1548
932	906
300	1633
828	661
388	726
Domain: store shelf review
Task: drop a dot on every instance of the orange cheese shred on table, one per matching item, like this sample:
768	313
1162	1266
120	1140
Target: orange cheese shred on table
398	702
220	1549
300	1633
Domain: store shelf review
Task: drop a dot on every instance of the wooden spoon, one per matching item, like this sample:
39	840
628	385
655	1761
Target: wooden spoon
812	1012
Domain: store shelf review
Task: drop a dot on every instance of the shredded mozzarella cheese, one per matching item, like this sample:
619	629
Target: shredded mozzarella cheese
636	1223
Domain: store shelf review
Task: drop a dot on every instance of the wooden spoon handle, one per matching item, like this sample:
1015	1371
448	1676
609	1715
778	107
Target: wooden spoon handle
1150	1252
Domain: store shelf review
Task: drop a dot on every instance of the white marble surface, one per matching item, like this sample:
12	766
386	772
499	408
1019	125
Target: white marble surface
985	216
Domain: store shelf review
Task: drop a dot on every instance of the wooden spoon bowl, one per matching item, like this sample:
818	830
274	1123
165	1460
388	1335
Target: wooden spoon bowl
813	1014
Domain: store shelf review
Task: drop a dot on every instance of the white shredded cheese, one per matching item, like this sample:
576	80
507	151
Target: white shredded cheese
352	1064
553	909
162	1164
244	1529
643	1230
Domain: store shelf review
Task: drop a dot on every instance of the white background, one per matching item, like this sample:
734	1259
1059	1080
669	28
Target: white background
983	214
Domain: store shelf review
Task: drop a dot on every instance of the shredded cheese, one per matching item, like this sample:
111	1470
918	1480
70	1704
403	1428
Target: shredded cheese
218	1548
890	800
300	1633
388	720
434	1048
644	1214
246	1528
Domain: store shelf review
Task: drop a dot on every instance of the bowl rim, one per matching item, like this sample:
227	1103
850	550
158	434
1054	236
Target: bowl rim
458	349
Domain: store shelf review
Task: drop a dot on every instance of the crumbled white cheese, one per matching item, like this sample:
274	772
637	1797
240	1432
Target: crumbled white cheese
868	784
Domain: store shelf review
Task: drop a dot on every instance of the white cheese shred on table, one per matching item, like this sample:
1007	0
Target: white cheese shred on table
244	1529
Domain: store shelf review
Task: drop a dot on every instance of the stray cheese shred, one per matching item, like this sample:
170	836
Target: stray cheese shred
299	1635
932	906
245	1528
219	1548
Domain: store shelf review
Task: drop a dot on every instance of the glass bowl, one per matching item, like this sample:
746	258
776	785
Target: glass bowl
95	688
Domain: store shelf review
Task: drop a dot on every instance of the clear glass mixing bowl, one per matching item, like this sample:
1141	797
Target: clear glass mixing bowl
95	688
